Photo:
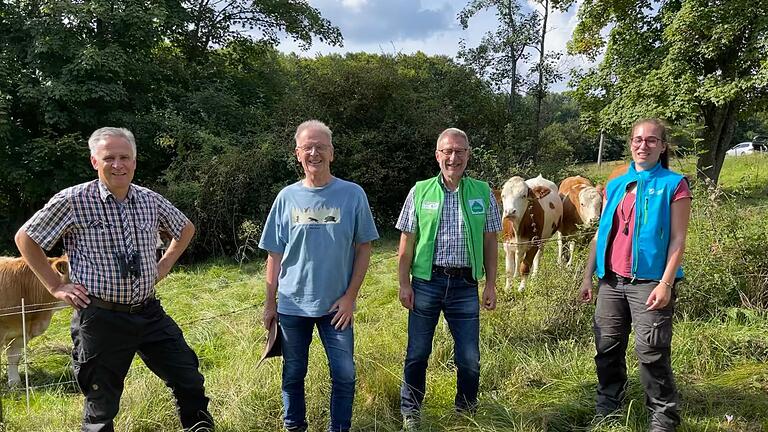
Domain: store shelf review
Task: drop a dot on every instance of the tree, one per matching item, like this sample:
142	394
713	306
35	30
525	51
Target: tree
546	68
185	76
497	55
218	22
701	62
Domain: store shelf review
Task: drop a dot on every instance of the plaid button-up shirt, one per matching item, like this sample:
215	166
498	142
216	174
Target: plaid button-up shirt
88	218
450	248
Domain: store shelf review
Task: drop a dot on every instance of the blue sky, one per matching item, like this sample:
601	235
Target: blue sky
430	26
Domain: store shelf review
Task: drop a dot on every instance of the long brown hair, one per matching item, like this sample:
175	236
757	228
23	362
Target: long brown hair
662	126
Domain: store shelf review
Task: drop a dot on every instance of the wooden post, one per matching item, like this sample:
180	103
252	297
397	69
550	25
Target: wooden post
24	336
600	150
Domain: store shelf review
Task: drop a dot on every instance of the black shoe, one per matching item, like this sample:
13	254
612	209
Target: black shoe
469	410
605	419
411	423
201	426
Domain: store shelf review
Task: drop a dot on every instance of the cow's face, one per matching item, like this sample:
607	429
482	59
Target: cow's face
115	162
452	155
315	152
590	205
514	198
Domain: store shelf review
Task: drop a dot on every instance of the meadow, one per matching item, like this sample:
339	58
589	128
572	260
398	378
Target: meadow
537	371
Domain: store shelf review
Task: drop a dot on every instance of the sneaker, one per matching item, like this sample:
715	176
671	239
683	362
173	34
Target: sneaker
302	428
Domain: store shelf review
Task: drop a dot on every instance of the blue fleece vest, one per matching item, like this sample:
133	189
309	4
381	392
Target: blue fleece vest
653	219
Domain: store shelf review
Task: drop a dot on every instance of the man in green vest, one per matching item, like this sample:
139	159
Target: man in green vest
448	241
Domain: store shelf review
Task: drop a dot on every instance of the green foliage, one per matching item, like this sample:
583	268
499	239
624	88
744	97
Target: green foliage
386	113
219	22
496	57
67	68
725	256
687	61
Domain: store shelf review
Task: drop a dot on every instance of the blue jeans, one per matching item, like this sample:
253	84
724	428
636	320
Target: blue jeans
457	298
339	347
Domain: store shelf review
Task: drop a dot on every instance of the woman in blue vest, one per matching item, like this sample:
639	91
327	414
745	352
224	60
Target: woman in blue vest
637	254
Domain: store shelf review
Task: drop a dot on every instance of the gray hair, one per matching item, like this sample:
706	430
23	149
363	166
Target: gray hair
452	132
99	134
313	124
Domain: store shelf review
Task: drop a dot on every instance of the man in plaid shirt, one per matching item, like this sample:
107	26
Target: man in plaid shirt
109	227
448	241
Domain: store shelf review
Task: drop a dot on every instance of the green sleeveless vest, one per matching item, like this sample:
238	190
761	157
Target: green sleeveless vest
428	200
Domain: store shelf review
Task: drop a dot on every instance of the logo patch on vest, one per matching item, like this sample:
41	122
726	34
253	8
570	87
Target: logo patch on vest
652	191
430	205
476	206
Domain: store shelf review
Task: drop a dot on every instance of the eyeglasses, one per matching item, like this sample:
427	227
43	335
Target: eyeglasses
457	152
651	142
318	148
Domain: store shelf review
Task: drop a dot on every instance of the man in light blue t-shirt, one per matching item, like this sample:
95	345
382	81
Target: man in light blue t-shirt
318	236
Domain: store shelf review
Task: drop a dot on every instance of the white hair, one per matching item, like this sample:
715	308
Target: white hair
452	132
316	125
99	134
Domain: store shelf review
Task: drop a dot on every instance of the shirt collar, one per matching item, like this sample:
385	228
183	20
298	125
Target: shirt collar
105	193
445	188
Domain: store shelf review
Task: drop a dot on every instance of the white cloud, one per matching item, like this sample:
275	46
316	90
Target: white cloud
430	26
355	5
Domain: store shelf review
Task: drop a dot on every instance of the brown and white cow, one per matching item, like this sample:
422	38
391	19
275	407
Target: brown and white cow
532	213
16	281
582	204
617	171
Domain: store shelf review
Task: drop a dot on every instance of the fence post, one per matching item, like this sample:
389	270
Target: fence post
24	336
600	150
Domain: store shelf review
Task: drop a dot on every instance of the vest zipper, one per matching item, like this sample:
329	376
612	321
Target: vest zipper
639	211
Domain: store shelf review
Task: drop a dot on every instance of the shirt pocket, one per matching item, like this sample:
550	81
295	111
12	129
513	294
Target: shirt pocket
146	230
100	236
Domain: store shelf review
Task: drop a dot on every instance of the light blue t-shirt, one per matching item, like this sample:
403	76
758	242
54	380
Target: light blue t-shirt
316	229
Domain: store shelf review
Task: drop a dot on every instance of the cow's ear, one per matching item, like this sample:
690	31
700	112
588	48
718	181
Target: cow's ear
61	265
541	191
600	189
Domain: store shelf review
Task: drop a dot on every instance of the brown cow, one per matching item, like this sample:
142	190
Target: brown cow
582	204
16	281
532	213
618	171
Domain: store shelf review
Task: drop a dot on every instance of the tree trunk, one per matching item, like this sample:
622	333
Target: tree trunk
542	58
513	87
513	55
720	125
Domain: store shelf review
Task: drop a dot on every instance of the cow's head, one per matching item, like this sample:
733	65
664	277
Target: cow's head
61	266
590	204
514	198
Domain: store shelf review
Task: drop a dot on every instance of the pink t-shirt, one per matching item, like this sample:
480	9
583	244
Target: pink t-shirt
620	242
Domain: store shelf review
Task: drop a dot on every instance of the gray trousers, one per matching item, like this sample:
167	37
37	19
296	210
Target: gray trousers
620	306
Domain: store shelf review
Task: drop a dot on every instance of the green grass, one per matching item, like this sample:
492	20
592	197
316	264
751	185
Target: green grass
537	372
744	176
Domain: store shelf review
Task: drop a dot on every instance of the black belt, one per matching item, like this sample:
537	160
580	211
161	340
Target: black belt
465	272
625	280
121	307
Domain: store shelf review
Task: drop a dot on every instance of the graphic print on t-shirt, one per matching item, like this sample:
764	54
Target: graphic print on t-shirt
315	216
